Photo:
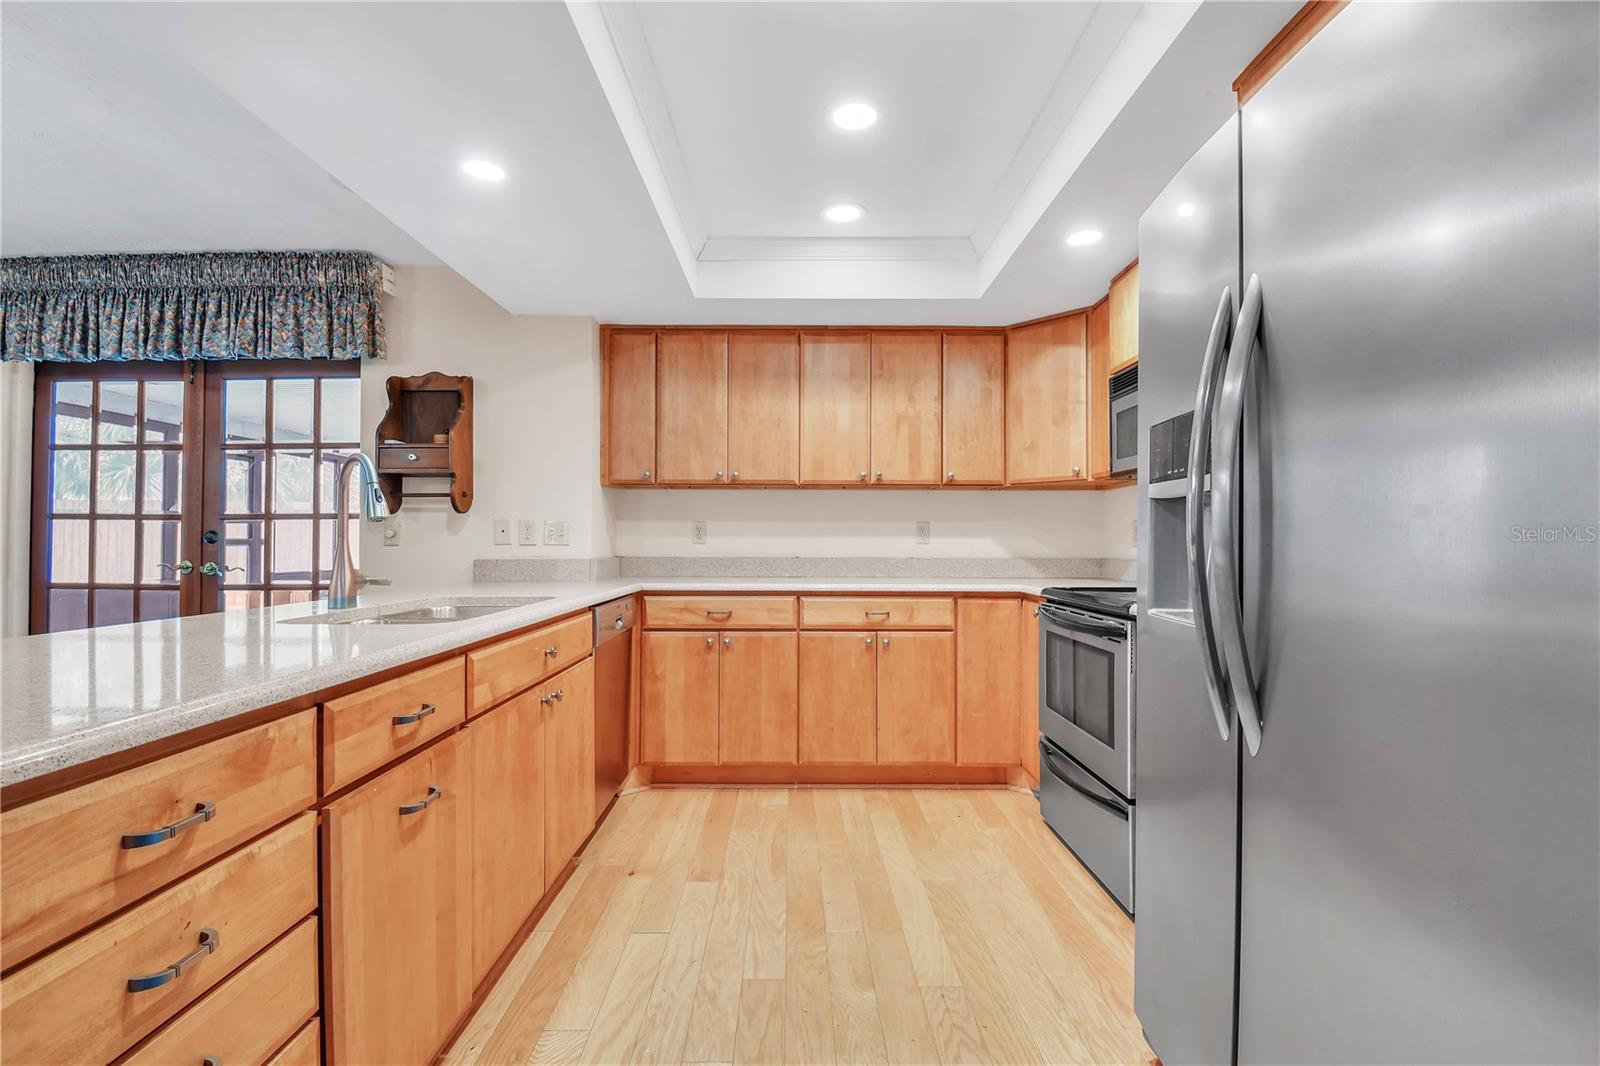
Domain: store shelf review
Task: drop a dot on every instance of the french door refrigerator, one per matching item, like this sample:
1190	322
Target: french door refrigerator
1368	677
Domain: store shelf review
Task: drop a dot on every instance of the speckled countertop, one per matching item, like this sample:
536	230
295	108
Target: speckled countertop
67	698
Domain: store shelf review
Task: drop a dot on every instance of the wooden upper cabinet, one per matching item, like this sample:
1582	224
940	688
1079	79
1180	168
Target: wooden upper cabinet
630	408
764	408
692	405
835	408
905	409
974	408
1124	319
1098	404
758	698
1045	385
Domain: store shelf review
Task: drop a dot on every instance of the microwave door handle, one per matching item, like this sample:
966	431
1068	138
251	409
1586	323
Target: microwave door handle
1225	515
1066	779
1216	672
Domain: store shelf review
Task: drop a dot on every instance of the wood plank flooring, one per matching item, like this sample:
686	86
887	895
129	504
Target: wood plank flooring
761	925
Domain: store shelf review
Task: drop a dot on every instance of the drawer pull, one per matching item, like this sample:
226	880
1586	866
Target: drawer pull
422	804
877	614
211	1060
719	614
209	939
203	812
407	719
552	651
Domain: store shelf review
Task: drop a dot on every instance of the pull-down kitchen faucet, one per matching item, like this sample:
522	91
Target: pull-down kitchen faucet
347	580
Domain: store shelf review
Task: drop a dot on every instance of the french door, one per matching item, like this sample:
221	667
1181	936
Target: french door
166	489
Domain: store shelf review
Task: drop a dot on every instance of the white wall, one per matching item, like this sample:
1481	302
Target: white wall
817	522
536	383
1121	508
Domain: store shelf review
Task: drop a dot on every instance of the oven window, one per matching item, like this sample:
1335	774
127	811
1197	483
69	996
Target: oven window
1126	443
1079	685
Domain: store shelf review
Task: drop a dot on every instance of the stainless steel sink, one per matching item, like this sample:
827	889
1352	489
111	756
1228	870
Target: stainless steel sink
453	609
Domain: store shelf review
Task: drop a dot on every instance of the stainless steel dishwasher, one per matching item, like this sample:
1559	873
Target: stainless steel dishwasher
613	676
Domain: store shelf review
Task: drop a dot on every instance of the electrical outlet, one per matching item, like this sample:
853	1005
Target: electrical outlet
502	530
527	531
924	532
697	532
391	532
555	533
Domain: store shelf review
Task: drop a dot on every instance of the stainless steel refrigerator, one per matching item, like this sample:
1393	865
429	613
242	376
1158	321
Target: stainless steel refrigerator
1368	736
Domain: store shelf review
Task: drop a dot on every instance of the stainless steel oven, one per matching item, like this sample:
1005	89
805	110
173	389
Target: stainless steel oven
1086	691
1124	388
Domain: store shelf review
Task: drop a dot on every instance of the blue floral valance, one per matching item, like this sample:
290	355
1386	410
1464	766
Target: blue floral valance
211	305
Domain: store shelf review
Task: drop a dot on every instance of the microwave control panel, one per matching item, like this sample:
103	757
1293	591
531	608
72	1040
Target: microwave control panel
1169	448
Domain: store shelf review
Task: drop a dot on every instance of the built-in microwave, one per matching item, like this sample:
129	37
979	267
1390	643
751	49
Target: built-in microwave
1125	422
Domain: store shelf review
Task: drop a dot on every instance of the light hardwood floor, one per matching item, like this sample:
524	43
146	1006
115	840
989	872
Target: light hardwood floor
819	925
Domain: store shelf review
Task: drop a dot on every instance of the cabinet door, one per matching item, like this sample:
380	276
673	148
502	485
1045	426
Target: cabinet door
568	764
1028	705
1097	405
905	409
1045	378
630	429
838	697
398	909
757	698
974	408
988	673
678	697
835	408
506	752
916	698
1125	318
763	408
692	436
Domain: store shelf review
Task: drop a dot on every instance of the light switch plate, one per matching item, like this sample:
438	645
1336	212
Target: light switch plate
502	530
527	531
555	533
924	532
391	532
697	532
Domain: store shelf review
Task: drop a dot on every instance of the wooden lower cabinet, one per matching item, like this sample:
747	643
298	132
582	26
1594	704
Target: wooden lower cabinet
838	697
568	764
916	698
397	909
304	1050
678	697
756	698
1028	704
506	751
988	669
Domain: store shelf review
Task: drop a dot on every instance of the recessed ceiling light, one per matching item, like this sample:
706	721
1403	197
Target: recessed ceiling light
483	170
854	116
842	212
1083	237
1185	210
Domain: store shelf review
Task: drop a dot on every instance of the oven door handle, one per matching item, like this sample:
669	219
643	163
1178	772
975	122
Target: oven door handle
1079	625
1197	551
1093	797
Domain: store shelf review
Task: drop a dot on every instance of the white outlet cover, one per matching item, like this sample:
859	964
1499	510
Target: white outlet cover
527	531
697	532
555	533
502	530
924	532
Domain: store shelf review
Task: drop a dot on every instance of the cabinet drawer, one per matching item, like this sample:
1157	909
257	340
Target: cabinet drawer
248	1016
304	1050
408	458
502	670
364	730
719	612
866	612
74	857
74	1005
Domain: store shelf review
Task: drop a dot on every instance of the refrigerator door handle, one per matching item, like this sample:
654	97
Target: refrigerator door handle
1225	515
1199	559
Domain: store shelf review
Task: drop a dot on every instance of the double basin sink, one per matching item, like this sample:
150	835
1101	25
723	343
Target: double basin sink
418	612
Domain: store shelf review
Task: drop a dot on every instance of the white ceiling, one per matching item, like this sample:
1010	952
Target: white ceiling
666	162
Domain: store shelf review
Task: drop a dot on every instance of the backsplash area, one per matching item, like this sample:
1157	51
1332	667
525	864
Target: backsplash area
782	567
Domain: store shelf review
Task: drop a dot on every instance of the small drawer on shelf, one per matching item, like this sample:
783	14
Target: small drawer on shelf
304	1050
719	612
501	670
869	612
77	856
248	1016
366	729
413	458
94	997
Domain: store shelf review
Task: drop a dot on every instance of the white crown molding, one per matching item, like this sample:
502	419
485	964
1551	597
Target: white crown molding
838	249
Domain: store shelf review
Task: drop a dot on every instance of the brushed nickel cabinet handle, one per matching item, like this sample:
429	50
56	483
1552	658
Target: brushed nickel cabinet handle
411	457
211	1060
869	642
423	804
727	642
559	694
885	642
877	614
203	812
209	939
547	699
736	475
951	476
407	719
718	475
644	475
878	474
710	642
719	614
862	476
552	651
1076	469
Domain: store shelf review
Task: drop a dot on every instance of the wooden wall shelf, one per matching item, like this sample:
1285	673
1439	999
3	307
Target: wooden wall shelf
427	432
